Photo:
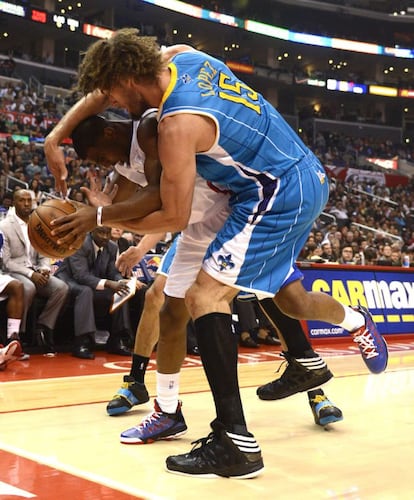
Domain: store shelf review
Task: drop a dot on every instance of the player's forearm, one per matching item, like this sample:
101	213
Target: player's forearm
89	105
155	222
147	242
127	214
126	188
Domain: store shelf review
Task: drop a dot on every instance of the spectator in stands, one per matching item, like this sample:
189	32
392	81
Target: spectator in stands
340	213
8	66
77	195
93	280
26	155
327	252
122	243
313	253
385	256
33	167
370	255
35	192
47	185
22	262
347	255
129	237
318	237
5	163
396	257
7	201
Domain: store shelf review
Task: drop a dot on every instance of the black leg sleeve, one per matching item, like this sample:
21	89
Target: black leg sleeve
290	329
218	350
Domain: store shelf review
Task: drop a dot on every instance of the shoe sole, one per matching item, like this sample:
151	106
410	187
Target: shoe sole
328	420
150	440
211	475
113	412
123	409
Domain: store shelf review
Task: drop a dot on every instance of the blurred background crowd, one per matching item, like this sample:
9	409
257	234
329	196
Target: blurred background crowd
365	222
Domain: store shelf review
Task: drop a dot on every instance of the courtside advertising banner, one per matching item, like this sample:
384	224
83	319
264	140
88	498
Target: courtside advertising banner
387	293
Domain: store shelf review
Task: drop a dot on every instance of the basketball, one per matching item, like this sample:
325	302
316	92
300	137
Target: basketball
39	228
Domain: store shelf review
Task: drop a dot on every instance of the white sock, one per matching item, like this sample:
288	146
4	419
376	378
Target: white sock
353	319
168	386
13	326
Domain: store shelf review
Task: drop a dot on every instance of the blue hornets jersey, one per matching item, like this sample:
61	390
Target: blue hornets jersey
254	143
278	185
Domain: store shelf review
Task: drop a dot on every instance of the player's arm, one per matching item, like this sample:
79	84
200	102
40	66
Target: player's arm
130	257
85	219
180	138
91	104
125	187
136	203
178	141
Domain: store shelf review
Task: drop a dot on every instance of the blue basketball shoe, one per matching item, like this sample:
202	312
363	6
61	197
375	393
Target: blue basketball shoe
370	342
156	426
130	394
323	410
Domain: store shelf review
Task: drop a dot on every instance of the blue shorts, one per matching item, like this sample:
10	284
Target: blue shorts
255	251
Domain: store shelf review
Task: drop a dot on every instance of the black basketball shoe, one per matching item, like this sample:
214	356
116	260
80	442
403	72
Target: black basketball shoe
301	374
222	454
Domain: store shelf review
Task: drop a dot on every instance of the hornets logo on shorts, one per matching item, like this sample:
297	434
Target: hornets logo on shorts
225	262
322	177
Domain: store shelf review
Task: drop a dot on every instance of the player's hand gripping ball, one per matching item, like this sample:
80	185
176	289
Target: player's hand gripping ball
40	229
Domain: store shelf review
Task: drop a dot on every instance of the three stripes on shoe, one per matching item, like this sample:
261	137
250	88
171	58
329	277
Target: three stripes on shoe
246	444
315	363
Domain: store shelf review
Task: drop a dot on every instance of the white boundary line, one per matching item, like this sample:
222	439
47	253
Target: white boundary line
69	469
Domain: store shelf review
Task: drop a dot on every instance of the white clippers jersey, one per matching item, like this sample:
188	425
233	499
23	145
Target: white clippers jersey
206	201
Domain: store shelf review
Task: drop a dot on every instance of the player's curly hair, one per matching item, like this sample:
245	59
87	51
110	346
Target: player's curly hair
124	55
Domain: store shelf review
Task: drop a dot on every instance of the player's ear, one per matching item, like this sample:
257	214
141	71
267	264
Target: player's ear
109	133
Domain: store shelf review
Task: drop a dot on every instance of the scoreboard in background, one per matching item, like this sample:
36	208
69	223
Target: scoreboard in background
59	20
388	292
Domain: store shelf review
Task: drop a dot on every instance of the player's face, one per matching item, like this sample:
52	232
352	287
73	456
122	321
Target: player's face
101	235
126	96
23	204
107	156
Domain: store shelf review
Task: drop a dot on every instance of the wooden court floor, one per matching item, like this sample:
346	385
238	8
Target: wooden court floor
56	441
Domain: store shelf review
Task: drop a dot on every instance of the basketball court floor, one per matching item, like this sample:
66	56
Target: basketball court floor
57	443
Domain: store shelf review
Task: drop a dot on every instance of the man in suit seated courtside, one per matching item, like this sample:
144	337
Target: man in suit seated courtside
22	262
93	279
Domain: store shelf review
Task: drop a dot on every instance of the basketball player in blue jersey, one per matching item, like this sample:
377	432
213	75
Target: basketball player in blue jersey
213	123
130	149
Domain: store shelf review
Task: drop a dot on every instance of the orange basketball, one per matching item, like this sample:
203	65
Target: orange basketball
39	228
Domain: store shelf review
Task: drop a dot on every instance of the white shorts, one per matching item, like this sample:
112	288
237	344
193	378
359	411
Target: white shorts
5	279
190	250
